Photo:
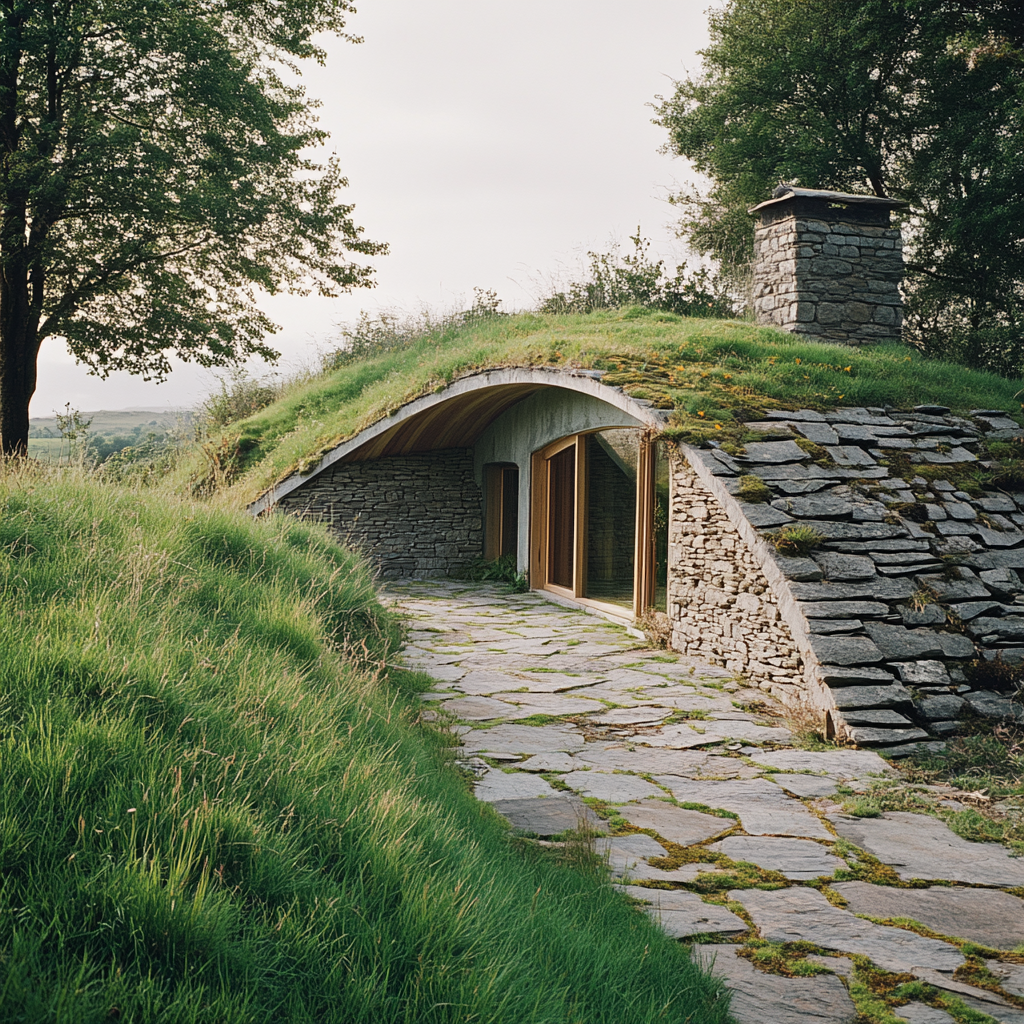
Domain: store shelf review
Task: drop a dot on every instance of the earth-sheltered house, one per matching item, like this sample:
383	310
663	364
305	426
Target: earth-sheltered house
836	562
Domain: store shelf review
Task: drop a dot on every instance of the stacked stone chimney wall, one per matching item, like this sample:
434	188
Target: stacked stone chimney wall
832	280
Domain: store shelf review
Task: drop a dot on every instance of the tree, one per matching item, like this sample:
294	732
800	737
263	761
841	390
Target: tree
919	99
155	174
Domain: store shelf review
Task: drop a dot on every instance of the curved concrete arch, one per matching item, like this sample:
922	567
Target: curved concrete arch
458	415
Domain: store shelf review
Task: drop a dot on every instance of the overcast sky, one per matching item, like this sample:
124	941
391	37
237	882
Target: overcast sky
490	143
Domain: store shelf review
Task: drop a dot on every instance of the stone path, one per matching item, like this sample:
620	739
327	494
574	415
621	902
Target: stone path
712	817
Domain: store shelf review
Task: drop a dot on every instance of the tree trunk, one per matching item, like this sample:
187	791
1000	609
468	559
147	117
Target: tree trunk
19	349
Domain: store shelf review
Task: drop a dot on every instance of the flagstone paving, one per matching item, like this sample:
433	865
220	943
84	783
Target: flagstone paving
710	815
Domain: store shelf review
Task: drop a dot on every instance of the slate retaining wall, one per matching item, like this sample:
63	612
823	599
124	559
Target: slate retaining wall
412	515
914	578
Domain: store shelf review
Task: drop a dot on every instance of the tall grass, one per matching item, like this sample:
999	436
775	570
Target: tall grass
216	806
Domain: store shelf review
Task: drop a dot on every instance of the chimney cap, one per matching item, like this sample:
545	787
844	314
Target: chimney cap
784	193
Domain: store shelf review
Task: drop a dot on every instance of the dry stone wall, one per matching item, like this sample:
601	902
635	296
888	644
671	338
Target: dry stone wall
910	596
412	515
832	280
720	603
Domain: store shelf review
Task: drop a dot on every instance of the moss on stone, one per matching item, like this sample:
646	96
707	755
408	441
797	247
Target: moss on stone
754	490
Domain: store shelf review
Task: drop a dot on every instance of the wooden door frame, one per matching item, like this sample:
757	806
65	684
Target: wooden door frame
494	509
540	474
643	552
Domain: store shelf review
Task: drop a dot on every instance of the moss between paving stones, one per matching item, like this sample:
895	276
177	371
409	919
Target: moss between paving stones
875	992
786	958
718	812
974	972
742	875
867	868
918	991
834	897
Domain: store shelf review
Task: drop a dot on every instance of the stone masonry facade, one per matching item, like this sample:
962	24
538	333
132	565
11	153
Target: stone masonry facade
908	599
833	274
720	603
412	515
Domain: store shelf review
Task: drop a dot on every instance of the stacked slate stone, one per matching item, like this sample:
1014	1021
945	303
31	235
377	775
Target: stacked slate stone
913	580
829	264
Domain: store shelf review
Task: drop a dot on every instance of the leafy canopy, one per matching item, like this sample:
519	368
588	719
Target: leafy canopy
909	98
156	172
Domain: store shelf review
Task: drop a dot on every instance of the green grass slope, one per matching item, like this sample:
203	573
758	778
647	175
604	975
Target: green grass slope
708	371
216	805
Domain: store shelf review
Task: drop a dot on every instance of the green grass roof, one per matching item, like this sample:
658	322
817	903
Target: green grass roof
711	373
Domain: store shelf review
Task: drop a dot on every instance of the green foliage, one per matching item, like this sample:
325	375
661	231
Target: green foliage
123	442
501	570
633	280
215	807
753	489
995	674
788	959
796	539
889	97
158	173
988	760
728	371
375	334
240	395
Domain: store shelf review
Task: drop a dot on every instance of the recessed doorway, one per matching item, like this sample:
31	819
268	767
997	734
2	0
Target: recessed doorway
501	503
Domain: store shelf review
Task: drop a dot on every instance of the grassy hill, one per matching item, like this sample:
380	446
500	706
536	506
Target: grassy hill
217	803
712	373
217	806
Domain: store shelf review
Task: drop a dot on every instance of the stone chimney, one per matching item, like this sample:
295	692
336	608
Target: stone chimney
828	264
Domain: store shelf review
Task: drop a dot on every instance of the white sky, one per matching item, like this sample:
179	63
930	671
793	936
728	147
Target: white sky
490	143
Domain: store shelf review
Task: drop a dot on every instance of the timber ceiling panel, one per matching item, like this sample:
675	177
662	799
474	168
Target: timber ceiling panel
457	423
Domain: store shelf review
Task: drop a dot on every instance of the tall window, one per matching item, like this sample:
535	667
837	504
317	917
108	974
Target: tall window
599	520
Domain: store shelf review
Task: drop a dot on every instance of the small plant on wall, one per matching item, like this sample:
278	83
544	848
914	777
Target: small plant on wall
754	490
796	540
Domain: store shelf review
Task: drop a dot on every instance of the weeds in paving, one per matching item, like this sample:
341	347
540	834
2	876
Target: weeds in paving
990	759
826	890
875	993
984	769
975	972
920	992
863	867
718	812
788	959
888	795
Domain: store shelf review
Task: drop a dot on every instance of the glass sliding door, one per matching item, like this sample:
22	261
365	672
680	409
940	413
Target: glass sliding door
501	505
611	462
562	517
599	520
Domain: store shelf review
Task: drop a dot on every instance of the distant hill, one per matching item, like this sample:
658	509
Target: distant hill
113	421
110	430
